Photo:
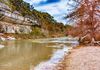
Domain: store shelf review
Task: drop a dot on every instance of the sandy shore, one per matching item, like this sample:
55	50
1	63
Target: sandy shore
83	58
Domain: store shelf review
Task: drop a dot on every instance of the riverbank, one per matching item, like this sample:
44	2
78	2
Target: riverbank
81	58
10	36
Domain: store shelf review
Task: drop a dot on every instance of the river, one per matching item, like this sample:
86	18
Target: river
33	54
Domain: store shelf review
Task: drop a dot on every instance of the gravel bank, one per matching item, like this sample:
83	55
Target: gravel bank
83	58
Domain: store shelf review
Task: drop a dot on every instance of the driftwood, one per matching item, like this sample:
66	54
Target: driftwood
91	42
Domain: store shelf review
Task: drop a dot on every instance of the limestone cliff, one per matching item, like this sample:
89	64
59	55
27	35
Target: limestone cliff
14	22
18	17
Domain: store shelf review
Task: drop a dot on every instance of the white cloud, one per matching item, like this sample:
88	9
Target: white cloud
58	10
34	1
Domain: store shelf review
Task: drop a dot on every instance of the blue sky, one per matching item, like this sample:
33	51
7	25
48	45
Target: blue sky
57	8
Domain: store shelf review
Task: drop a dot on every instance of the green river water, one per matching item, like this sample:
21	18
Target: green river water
28	54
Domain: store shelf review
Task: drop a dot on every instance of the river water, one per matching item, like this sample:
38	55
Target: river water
33	54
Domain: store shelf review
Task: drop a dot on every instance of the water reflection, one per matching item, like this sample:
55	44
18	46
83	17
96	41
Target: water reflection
57	56
25	54
19	55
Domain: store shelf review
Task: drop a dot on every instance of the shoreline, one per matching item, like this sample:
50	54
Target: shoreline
9	36
73	61
56	58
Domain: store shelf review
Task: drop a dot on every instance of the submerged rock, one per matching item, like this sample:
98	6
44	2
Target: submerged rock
2	38
11	38
1	46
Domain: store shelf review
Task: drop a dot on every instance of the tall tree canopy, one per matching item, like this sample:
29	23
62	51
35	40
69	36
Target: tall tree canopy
87	16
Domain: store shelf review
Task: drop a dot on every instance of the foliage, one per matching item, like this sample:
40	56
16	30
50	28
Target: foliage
21	6
87	15
48	22
36	31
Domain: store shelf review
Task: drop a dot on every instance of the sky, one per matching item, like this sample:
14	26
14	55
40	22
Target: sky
56	8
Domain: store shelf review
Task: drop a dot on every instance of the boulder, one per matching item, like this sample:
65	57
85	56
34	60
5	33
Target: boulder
1	46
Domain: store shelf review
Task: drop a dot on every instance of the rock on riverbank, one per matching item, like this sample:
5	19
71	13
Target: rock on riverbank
1	46
3	37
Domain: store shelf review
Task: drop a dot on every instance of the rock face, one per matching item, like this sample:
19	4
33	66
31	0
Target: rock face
14	28
17	19
14	22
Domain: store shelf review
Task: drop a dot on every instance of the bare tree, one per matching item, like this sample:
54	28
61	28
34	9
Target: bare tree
87	17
